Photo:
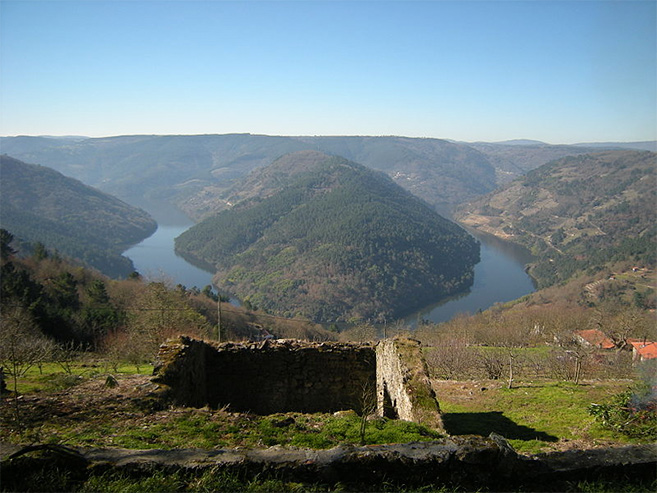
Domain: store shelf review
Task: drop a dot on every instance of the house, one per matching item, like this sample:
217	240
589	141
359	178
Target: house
594	338
643	349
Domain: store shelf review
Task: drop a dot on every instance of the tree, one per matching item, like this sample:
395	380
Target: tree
207	291
367	407
21	346
159	313
6	250
98	316
40	251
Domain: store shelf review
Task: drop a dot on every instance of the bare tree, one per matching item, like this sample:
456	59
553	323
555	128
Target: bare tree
21	346
159	313
360	333
491	361
368	405
451	358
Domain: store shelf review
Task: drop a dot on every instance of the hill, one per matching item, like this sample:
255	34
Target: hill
576	213
329	239
513	159
440	172
39	204
190	171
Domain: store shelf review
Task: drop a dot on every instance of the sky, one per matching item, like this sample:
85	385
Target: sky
556	71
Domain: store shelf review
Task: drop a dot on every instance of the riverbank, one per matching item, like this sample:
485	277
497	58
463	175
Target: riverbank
499	277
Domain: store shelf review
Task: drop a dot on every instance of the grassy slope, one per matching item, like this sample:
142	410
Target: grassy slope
534	416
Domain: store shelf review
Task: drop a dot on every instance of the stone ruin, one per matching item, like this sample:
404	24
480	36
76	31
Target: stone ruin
285	375
390	378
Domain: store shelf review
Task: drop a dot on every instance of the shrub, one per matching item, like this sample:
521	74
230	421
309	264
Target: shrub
632	412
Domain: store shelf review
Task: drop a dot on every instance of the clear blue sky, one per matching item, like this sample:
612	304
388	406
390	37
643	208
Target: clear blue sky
556	71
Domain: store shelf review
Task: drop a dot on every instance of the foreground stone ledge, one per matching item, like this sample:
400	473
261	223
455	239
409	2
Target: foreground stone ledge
469	462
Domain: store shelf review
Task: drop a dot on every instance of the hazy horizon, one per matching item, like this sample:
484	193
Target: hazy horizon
512	140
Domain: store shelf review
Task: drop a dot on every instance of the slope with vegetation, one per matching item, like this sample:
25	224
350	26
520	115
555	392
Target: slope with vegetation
513	159
577	214
39	204
190	171
328	239
51	302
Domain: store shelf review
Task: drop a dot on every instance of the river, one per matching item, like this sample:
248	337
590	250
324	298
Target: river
499	276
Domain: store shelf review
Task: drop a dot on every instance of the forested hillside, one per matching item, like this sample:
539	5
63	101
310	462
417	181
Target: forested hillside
44	295
39	204
442	173
576	213
192	171
515	158
332	241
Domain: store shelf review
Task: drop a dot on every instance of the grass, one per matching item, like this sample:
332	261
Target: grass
124	416
51	377
533	416
210	480
208	429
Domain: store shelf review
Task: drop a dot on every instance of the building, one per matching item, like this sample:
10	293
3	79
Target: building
594	338
642	349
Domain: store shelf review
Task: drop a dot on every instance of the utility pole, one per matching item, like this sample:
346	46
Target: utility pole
219	318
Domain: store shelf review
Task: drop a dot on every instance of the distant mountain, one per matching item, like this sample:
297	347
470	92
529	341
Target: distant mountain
649	145
513	159
522	142
326	238
38	204
576	213
192	170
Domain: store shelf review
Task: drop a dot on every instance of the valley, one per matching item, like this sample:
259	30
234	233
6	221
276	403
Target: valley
241	176
517	368
328	246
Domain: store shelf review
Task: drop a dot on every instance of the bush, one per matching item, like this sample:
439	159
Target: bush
632	412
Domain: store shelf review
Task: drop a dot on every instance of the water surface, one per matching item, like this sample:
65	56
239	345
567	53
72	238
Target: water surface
499	277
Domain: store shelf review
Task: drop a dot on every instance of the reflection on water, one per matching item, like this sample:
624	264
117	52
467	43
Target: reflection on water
155	259
499	277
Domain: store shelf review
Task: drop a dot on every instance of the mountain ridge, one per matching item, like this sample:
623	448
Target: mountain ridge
40	204
191	171
575	213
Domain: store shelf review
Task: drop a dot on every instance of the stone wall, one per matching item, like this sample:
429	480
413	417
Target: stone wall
181	368
286	375
289	375
268	377
402	381
458	463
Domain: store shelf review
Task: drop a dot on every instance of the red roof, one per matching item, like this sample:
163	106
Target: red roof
646	349
596	338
